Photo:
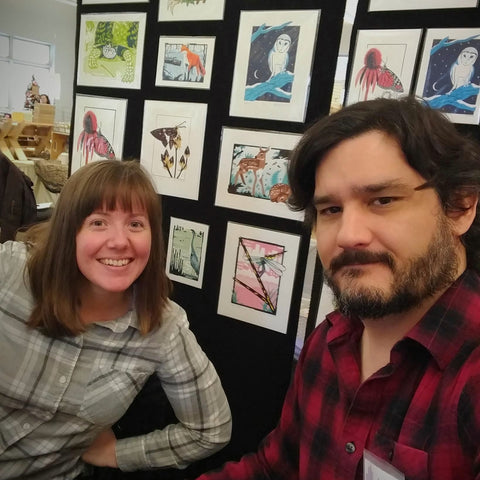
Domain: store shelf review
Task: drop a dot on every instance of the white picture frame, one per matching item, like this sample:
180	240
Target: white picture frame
252	172
449	74
111	57
185	62
186	251
273	64
187	10
383	64
172	146
391	5
257	288
99	129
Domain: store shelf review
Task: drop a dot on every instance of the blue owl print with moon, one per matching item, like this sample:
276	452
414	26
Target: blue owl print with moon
271	63
452	83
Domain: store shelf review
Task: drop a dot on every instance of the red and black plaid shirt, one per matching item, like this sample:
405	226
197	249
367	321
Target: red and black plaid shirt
421	412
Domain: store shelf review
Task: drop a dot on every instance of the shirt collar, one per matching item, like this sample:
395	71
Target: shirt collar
121	324
453	321
450	324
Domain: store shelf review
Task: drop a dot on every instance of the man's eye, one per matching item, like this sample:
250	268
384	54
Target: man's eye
328	211
383	200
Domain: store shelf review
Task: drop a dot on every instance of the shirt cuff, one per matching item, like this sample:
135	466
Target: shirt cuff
130	454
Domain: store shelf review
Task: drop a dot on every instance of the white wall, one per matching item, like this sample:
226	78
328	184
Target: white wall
51	21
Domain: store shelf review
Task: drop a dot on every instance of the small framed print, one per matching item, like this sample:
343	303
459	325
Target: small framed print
273	64
187	246
389	5
99	129
176	10
449	76
383	64
257	278
172	146
185	62
252	174
110	50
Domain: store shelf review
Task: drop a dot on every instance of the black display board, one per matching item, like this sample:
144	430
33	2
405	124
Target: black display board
254	363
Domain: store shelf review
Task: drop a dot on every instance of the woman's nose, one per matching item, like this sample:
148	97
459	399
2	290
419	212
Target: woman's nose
118	237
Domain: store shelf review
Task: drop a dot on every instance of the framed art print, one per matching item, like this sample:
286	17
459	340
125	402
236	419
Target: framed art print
110	50
388	5
180	10
252	173
257	277
98	130
172	146
187	246
383	64
185	62
449	77
273	64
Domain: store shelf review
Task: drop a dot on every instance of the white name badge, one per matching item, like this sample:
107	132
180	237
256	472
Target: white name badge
374	468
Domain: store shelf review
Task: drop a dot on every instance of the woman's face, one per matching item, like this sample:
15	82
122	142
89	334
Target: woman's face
113	248
43	99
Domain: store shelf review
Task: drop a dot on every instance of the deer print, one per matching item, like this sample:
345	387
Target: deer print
255	165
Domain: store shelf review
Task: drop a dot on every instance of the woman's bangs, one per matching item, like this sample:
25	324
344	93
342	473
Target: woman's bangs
125	195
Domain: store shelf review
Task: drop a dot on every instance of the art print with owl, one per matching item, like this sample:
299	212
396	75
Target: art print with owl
268	81
449	78
271	63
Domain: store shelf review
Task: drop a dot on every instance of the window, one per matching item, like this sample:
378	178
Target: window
20	58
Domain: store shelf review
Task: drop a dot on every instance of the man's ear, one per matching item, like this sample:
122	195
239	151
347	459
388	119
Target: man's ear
462	218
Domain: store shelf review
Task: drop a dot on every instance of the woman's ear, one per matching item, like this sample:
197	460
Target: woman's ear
462	217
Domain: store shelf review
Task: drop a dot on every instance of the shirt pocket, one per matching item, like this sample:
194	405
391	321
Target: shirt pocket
413	463
110	392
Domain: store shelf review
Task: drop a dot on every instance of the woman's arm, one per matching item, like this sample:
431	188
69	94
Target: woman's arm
195	392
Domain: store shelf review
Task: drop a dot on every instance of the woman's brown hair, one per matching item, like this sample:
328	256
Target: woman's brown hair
52	267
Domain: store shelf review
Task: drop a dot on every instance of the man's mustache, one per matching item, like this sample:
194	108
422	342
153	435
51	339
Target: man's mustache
360	257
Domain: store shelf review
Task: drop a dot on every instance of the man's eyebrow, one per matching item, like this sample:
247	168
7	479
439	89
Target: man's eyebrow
370	188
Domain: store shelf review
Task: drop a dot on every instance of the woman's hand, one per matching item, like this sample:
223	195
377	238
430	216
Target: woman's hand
101	452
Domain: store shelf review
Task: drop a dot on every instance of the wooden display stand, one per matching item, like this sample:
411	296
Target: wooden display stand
59	144
28	139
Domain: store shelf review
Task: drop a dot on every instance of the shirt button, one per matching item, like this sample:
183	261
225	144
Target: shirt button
350	447
62	379
26	426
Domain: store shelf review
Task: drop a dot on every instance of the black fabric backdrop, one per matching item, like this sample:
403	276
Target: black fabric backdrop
254	363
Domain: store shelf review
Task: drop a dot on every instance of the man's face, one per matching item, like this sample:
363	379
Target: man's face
384	246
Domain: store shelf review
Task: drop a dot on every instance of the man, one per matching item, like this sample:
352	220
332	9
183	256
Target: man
388	386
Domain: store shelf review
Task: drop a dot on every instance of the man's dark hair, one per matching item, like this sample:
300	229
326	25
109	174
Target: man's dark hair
448	160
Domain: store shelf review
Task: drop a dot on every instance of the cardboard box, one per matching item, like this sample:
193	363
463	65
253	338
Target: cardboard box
43	113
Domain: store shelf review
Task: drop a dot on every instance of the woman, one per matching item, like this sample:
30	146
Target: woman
86	320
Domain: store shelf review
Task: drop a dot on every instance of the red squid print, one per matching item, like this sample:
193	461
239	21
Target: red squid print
92	141
373	73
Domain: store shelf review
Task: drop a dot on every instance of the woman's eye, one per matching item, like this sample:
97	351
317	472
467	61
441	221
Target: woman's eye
97	223
137	225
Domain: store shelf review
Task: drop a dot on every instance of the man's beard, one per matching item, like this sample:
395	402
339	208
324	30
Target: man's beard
420	278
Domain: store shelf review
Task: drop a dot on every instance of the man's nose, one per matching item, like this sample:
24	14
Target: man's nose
354	229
